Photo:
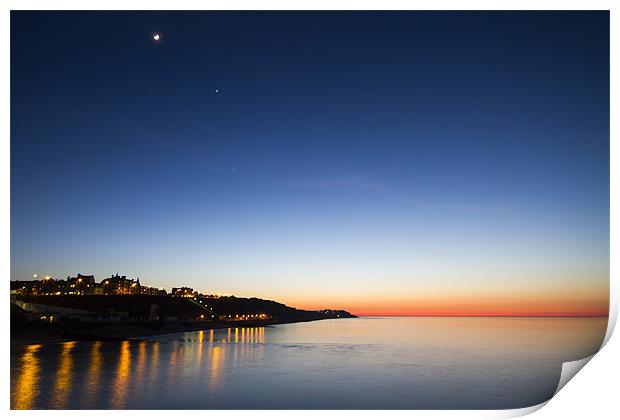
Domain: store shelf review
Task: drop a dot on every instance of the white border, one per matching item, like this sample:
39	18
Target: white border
596	389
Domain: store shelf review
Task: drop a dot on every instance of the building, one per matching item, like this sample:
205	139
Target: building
26	287
120	285
50	286
183	292
47	286
82	285
147	290
82	278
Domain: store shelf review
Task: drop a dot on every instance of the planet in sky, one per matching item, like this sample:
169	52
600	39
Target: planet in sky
156	37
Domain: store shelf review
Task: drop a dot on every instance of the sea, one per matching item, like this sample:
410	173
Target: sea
362	363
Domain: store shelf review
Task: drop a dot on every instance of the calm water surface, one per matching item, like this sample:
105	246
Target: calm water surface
400	363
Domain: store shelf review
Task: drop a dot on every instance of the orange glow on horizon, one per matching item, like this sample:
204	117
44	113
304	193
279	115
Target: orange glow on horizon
485	314
557	304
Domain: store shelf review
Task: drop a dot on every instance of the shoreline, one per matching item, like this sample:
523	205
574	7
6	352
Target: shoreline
49	334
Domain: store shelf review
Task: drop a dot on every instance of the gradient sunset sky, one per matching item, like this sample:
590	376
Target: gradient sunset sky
386	163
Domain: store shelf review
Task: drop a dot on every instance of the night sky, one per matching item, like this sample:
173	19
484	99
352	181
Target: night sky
381	162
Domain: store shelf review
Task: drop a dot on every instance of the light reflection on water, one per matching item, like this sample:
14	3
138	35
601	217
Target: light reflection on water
64	376
356	363
91	386
120	387
26	388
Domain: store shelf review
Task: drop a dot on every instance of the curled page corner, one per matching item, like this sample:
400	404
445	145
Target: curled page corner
570	369
520	412
611	323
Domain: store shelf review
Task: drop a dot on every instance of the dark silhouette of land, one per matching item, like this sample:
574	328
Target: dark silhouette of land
36	319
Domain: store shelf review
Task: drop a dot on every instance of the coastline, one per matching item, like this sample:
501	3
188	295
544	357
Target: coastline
138	330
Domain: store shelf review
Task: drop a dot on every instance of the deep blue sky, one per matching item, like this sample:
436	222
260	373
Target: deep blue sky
344	151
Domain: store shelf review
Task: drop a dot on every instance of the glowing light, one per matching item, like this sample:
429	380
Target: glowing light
27	387
156	37
91	388
122	375
64	376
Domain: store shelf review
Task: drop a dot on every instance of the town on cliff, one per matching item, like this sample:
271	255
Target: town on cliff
48	309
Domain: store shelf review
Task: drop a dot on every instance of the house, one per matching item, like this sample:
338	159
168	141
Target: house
183	292
120	285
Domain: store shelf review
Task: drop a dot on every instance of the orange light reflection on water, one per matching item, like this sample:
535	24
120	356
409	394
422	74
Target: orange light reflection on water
27	388
141	363
62	387
91	388
218	355
154	364
119	395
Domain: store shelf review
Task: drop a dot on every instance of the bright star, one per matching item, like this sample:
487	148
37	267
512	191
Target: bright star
156	37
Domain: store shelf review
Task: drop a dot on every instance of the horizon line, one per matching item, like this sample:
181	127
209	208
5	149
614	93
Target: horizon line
483	316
